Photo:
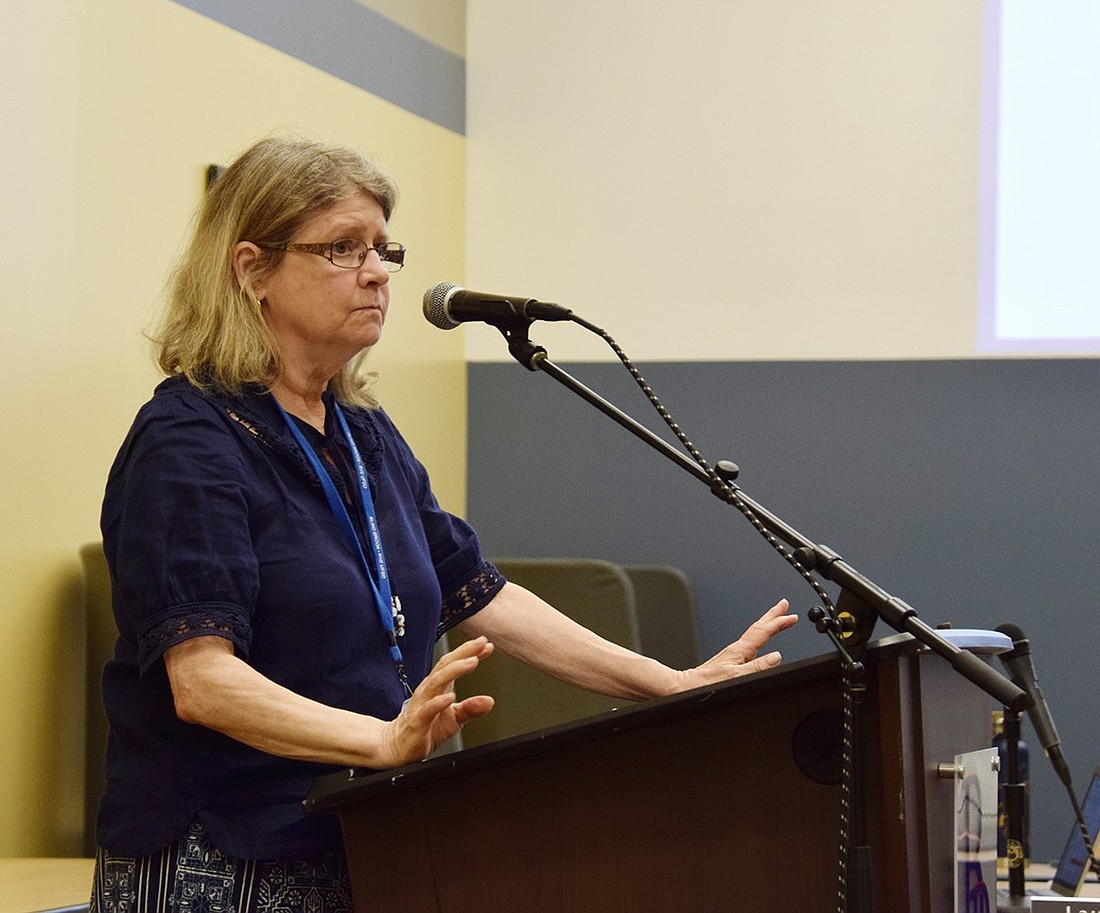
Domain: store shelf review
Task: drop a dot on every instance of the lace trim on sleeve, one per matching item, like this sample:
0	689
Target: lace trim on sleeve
180	623
472	596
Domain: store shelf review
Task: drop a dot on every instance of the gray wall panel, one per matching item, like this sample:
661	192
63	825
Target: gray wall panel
358	45
966	488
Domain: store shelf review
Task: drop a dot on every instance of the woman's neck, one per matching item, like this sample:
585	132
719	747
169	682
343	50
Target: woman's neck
301	397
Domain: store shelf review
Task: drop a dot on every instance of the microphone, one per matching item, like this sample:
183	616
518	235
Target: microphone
446	305
1018	663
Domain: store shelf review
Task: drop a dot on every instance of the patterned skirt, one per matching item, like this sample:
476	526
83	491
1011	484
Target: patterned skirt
192	876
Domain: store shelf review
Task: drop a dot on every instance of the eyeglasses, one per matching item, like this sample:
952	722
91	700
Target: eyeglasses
350	253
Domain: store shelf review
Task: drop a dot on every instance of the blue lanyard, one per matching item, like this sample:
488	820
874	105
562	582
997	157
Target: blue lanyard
389	607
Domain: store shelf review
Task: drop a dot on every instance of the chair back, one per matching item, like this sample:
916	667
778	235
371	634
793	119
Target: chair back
594	593
665	604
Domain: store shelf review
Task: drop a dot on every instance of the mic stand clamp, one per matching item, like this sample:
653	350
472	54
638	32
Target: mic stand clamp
515	332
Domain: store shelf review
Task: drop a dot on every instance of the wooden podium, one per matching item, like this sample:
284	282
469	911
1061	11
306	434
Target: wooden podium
713	800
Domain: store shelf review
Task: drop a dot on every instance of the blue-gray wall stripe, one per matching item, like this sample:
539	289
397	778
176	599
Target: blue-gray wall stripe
967	488
358	45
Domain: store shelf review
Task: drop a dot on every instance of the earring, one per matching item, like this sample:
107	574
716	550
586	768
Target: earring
252	302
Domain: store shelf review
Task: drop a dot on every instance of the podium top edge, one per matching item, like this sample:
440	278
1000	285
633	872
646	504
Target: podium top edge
339	788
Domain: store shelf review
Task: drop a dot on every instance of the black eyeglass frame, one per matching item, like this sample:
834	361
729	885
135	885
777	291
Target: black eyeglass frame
391	253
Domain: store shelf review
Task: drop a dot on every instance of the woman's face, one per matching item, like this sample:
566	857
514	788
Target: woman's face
320	314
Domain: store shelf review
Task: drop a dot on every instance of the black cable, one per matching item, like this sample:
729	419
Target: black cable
719	485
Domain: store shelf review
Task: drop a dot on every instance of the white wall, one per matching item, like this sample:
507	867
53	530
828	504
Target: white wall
728	179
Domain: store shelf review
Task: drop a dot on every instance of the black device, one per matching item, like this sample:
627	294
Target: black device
1073	867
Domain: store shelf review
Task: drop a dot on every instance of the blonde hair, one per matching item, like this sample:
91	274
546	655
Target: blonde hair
212	330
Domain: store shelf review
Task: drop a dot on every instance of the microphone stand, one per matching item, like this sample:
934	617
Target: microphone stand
860	604
1014	798
865	600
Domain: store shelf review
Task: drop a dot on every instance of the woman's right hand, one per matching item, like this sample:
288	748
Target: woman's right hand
433	714
213	687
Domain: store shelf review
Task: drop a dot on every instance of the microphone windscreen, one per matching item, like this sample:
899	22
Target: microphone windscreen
435	301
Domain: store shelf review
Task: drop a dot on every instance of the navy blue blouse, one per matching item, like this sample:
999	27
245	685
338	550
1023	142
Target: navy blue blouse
214	523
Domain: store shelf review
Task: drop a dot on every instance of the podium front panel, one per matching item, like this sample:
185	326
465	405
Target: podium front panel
694	802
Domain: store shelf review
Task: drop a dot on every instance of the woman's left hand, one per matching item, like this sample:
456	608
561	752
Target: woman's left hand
740	657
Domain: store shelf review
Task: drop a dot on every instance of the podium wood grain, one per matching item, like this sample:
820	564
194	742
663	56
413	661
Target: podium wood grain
692	802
